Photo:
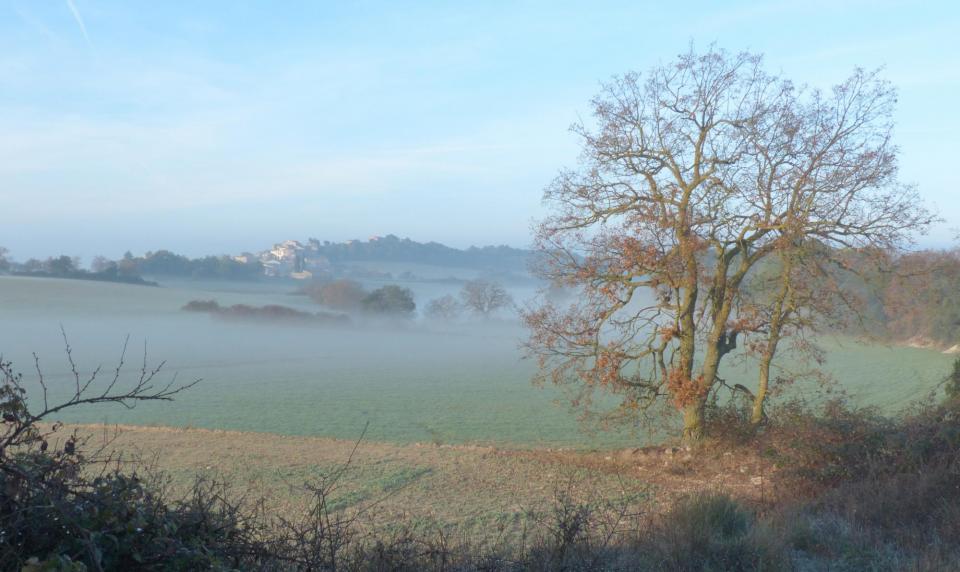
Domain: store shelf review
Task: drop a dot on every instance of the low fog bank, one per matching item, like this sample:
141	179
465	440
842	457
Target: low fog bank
414	379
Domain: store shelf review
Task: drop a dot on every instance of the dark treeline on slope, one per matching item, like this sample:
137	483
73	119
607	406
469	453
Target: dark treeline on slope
920	297
391	248
909	297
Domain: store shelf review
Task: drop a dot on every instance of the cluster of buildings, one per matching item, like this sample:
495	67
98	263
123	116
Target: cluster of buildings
292	258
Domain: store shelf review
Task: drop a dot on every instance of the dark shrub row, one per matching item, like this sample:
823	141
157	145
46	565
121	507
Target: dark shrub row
268	313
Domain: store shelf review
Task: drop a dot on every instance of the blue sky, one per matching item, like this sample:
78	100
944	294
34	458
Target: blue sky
222	126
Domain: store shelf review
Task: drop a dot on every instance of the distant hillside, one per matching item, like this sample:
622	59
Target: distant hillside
289	258
391	248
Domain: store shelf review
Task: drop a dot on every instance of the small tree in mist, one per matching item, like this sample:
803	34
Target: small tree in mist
4	263
484	298
688	180
340	294
61	265
445	308
390	300
32	265
102	264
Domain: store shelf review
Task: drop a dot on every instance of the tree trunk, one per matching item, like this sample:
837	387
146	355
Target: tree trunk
693	422
778	316
756	416
718	345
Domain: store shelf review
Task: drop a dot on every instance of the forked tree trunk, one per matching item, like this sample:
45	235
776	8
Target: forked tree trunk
719	343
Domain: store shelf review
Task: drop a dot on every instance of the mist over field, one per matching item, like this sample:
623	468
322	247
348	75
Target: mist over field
479	287
294	379
416	380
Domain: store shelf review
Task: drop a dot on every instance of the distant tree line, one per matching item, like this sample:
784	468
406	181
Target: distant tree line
500	259
391	248
64	266
130	268
166	263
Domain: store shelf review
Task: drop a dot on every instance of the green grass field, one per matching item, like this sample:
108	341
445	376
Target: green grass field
410	384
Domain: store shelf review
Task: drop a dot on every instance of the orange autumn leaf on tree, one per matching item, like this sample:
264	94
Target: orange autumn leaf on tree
684	390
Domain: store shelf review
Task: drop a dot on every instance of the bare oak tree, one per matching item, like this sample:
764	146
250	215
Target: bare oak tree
445	308
687	180
484	298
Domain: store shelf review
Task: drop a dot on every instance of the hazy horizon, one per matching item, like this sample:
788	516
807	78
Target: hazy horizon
197	251
717	350
226	127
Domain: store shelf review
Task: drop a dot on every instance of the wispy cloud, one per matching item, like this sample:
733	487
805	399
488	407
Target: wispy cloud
36	24
79	19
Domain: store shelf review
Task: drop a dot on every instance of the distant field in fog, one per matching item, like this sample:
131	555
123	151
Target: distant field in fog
411	383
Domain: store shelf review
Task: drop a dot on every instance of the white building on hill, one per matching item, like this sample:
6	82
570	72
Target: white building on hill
286	250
